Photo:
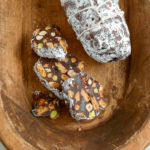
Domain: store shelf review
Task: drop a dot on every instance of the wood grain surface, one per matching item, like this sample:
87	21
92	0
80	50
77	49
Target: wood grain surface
123	126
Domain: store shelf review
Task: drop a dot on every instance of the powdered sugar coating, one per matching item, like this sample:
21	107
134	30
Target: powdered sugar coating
101	28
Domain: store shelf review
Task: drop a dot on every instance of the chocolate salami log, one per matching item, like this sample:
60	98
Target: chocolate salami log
52	73
85	96
101	28
48	42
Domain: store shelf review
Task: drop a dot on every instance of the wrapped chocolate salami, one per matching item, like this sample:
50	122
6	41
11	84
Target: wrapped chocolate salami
85	96
100	26
48	42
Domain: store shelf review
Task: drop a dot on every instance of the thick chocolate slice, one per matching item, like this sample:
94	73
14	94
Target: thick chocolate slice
45	105
101	28
85	96
52	73
48	42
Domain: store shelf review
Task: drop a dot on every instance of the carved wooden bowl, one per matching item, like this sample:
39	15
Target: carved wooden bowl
127	83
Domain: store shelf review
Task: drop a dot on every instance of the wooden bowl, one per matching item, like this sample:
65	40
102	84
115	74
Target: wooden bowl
127	83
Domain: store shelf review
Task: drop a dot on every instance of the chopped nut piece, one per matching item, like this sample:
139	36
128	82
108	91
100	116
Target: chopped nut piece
41	110
81	66
44	41
56	45
71	73
95	103
81	114
71	93
45	66
50	44
53	34
101	91
42	33
54	84
89	81
102	103
35	33
89	107
64	77
77	107
41	70
85	95
49	75
64	45
39	37
61	68
95	90
77	96
73	60
94	85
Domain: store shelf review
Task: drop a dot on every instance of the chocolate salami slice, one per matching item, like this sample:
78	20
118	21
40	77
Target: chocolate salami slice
85	96
101	28
48	42
45	105
52	73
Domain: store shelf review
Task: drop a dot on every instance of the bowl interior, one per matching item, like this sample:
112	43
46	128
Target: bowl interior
126	82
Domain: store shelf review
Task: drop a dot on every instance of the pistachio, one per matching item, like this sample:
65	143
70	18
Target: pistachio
92	114
51	95
40	45
55	78
53	114
47	28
